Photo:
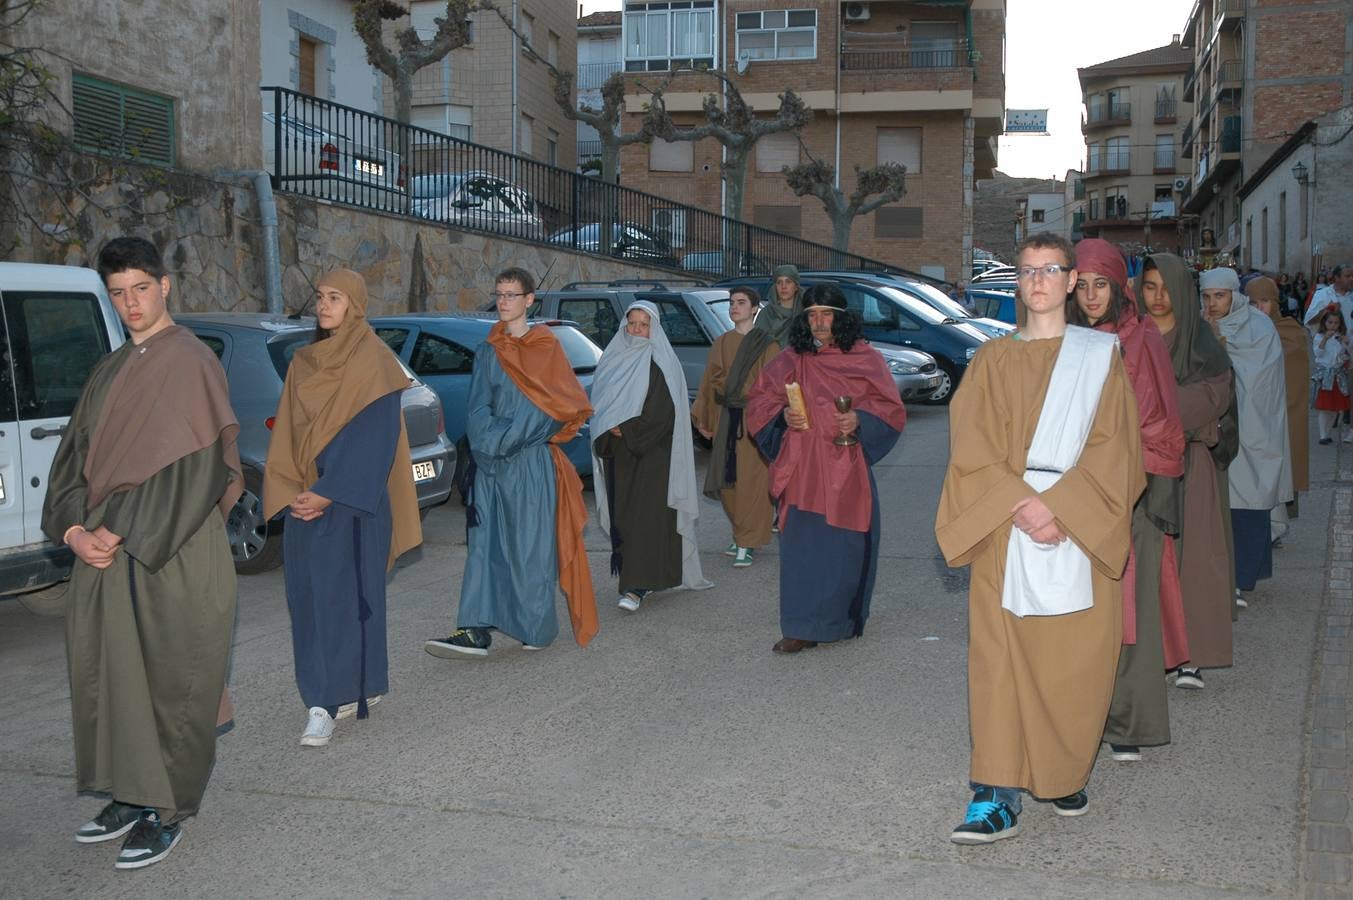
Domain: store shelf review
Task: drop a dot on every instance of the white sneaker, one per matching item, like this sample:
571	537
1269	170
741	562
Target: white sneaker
319	729
348	710
1241	601
628	602
1348	435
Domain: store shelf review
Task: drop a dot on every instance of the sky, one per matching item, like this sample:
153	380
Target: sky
1046	41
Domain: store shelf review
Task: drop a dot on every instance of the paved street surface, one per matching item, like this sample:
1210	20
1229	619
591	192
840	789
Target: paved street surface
678	757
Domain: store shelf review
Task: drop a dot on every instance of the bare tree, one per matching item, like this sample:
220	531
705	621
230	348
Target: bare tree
874	187
731	121
412	53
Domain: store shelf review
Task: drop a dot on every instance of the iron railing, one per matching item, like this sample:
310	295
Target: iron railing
1230	70
338	154
874	56
1165	108
588	150
1164	158
1117	111
591	76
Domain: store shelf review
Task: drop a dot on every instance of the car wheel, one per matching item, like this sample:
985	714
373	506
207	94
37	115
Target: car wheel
48	601
948	381
255	543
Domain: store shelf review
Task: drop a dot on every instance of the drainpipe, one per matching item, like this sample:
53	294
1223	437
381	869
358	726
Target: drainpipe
272	256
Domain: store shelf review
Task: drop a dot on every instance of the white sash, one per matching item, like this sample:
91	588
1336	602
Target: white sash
1054	579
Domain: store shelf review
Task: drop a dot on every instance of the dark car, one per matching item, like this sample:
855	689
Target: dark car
440	349
926	293
628	241
256	349
891	316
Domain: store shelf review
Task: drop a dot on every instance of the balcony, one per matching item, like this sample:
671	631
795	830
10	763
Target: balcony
1166	110
1102	116
1163	162
1077	225
588	150
1186	142
1230	73
591	76
1189	81
1218	160
889	54
1230	13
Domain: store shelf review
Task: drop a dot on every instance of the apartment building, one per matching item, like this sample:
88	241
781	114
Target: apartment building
918	83
599	57
1134	172
1261	70
497	91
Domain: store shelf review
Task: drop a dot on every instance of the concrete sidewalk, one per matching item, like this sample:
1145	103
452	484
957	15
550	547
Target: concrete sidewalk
677	757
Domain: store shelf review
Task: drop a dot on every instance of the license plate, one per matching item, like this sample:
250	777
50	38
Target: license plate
423	471
368	167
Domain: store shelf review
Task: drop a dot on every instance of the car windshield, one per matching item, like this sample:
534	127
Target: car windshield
917	308
720	310
582	353
283	347
940	300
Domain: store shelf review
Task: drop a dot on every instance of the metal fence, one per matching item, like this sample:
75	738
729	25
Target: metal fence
339	154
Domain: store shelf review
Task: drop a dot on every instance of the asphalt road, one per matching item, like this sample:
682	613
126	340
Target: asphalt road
677	756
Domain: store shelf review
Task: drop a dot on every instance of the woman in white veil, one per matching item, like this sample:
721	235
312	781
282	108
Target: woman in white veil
644	461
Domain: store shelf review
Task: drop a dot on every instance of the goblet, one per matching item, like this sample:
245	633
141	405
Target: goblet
843	405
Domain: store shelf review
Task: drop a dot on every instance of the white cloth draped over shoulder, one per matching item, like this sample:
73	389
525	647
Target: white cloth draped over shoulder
618	390
1054	579
1261	474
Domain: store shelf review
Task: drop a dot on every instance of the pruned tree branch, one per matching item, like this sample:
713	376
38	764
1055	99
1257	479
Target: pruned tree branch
874	187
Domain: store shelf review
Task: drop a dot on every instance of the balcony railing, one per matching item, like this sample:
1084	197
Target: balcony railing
1166	109
1164	160
591	76
588	150
1120	111
1230	70
874	56
341	155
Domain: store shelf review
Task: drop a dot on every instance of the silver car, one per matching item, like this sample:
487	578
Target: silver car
255	349
477	200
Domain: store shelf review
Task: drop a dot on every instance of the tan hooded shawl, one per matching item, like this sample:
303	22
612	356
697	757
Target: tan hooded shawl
1297	361
328	384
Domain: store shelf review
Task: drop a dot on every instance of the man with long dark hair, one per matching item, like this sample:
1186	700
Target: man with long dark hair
824	412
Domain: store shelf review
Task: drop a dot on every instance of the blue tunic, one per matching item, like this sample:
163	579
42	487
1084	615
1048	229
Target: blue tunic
511	575
335	565
827	573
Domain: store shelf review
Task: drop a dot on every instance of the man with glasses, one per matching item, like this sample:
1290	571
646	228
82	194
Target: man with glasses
1045	466
524	507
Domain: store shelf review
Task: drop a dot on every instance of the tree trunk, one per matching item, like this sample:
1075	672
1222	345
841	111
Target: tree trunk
841	224
735	179
403	85
610	161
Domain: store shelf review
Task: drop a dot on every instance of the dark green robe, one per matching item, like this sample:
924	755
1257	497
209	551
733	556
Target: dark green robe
637	465
148	638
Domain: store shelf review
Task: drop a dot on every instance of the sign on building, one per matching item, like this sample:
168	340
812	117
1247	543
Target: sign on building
1026	121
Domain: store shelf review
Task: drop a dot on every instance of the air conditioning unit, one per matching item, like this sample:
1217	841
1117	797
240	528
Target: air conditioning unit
857	12
1181	185
671	224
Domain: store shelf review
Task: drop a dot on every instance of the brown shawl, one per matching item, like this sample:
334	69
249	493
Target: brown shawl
328	384
540	370
1297	362
133	439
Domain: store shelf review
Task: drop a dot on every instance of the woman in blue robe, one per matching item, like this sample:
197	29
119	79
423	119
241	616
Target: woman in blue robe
339	468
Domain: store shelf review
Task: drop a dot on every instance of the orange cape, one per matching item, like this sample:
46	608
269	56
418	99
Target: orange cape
539	368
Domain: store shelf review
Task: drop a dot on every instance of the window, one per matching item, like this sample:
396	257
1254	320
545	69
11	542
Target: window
1304	208
55	339
784	219
1282	231
936	44
447	119
216	344
775	151
874	311
1093	159
394	338
307	50
552	146
678	323
777	34
525	128
1263	235
119	121
899	222
7	412
900	145
1164	151
1116	154
671	156
1092	206
552	49
1037	216
1249	240
528	30
433	355
595	318
668	34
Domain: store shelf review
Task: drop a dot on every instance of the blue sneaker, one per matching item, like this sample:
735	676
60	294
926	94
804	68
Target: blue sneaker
987	821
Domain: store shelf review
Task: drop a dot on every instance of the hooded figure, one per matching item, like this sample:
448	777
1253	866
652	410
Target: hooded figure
339	465
775	317
1296	343
647	498
1154	634
1260	477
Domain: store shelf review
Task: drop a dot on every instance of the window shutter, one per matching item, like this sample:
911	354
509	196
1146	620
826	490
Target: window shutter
775	151
119	121
673	156
900	145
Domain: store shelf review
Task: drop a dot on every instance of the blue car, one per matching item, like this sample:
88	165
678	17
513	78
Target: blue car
993	304
440	349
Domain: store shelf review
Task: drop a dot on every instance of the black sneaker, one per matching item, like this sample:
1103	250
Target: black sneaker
114	821
465	642
149	842
1126	753
1077	804
987	820
1189	678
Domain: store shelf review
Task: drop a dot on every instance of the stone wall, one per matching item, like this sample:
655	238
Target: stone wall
210	235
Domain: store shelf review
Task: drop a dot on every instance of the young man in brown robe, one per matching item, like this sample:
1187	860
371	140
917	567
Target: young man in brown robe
139	490
737	474
1039	685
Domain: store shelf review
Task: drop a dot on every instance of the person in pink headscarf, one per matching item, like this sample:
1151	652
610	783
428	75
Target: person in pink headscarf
1154	634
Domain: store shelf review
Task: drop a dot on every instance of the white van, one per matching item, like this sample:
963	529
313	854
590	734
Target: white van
56	322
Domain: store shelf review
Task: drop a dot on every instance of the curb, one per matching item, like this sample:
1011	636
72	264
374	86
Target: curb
1326	848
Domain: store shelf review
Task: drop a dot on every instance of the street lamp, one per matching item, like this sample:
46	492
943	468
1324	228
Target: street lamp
1301	174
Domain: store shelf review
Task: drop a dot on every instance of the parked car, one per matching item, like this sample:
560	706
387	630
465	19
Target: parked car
692	317
628	241
993	304
892	316
928	294
724	263
440	349
995	273
57	323
256	349
331	166
980	266
476	200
